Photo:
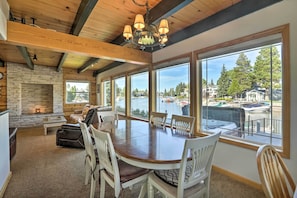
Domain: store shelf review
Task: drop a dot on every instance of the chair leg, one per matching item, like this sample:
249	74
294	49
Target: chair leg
93	187
88	173
102	187
150	190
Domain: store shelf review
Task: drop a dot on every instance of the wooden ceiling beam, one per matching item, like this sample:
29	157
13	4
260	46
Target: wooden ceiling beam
28	36
87	64
26	56
84	11
108	67
23	50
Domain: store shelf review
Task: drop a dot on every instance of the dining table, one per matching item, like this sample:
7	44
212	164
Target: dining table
142	144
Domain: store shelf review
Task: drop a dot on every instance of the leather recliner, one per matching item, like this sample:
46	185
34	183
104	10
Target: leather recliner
70	135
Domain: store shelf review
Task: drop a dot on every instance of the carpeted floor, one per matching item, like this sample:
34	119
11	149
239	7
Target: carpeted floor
41	169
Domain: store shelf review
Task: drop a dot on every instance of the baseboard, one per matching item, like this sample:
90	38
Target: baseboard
238	178
5	185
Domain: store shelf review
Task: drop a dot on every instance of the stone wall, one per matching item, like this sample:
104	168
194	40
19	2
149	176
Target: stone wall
18	74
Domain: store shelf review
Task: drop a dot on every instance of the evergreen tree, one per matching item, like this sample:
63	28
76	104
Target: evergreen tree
223	82
264	69
243	72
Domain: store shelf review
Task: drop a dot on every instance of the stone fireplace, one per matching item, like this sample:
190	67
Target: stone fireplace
33	94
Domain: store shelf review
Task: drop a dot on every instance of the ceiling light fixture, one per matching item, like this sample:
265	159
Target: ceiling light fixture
145	34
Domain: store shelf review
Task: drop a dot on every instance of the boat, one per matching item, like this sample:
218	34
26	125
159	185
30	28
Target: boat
168	99
256	107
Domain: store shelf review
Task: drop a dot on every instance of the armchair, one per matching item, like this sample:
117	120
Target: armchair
70	135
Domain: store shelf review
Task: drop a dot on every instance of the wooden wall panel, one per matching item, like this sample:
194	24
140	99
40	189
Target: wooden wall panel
71	74
3	89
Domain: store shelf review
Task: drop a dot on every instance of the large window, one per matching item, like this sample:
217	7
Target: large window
242	91
173	90
120	90
139	95
77	92
106	93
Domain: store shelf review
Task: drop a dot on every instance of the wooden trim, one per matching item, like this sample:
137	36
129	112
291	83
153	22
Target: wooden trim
20	34
238	178
5	184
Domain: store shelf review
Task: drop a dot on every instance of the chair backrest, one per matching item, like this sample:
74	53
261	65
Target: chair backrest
90	117
106	154
274	175
89	147
158	119
198	169
182	124
107	116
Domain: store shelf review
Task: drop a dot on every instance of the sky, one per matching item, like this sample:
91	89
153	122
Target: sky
172	76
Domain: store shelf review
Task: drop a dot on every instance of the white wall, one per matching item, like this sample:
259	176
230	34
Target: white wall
232	158
4	151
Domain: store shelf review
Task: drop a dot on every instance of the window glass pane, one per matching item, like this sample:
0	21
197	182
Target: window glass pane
139	95
242	94
120	99
173	90
77	92
106	93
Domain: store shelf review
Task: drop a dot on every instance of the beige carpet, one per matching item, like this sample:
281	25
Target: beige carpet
41	169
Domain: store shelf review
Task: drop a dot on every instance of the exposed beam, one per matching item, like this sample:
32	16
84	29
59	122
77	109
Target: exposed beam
163	10
84	11
61	62
26	56
20	34
87	64
240	9
23	50
108	67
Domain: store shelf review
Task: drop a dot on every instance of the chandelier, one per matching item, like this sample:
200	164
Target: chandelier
146	35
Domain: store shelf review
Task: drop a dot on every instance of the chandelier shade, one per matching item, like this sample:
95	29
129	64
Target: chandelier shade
146	35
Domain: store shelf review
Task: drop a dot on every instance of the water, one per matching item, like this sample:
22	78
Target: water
142	104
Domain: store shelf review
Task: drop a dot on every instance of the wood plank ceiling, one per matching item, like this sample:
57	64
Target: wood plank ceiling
103	20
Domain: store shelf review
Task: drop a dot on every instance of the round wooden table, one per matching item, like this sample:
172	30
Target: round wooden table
143	145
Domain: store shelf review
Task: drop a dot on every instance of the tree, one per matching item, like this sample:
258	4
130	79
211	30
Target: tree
71	93
242	73
267	66
180	88
223	82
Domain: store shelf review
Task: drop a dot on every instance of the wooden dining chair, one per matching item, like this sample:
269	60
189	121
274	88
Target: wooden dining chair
158	119
193	177
182	124
118	174
274	174
107	116
91	159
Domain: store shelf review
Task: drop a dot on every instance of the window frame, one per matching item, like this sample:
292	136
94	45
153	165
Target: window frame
284	31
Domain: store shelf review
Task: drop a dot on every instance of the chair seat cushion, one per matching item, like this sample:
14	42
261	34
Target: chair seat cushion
128	172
